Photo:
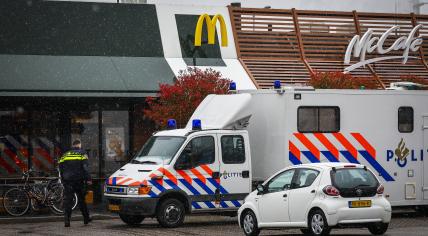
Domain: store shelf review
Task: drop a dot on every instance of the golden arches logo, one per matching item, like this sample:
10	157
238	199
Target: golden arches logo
211	28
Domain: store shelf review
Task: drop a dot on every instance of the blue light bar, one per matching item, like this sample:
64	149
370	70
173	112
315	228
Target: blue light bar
232	86
171	124
277	84
196	124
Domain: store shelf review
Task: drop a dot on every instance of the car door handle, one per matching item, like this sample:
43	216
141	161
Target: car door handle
285	195
313	191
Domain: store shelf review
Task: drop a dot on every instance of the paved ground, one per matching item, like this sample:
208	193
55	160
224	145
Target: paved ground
195	225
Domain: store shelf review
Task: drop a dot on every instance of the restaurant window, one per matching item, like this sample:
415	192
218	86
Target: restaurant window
405	119
84	127
45	141
14	143
115	126
318	119
142	128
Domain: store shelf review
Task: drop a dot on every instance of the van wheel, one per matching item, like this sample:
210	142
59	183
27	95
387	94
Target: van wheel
249	224
318	224
378	228
170	213
131	219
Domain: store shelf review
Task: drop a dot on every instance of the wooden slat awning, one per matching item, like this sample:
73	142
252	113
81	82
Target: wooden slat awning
289	45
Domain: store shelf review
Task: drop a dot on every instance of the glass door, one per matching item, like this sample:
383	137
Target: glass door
84	126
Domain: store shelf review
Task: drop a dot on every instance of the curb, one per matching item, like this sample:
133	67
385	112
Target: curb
39	219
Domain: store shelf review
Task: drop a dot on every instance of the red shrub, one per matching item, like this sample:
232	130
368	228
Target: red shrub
179	100
339	80
414	79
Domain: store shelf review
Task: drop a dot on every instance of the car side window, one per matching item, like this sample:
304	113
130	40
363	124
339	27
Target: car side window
304	178
199	151
281	182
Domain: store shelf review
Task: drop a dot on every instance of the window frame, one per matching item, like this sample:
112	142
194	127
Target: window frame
274	177
221	149
297	175
337	120
188	142
398	119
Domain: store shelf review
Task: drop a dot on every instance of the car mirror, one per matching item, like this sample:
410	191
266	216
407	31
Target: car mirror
260	189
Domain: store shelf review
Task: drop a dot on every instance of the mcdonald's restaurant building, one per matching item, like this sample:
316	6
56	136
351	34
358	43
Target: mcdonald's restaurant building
79	70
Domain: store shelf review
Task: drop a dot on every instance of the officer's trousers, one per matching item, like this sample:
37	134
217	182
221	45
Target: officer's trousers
70	188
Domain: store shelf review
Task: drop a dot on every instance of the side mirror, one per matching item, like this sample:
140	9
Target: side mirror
260	189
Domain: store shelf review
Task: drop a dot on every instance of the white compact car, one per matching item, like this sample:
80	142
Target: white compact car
316	198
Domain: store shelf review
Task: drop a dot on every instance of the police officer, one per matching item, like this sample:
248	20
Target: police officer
73	167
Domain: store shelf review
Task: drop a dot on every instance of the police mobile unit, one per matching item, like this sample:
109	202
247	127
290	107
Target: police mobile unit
232	142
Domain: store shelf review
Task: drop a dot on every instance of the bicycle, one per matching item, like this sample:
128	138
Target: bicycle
17	201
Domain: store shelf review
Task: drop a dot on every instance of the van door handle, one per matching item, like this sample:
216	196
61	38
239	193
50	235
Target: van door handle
285	195
313	191
216	175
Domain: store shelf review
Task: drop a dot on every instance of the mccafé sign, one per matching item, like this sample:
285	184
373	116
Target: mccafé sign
360	46
211	28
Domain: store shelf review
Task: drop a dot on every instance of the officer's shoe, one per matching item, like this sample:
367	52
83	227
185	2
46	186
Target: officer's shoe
87	220
67	224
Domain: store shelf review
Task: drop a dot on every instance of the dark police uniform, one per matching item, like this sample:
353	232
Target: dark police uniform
73	167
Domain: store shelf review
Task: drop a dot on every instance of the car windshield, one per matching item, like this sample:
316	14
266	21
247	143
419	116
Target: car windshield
158	150
353	178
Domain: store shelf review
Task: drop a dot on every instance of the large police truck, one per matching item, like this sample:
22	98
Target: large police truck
234	141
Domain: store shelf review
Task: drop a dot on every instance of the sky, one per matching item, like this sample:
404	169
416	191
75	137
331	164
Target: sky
385	6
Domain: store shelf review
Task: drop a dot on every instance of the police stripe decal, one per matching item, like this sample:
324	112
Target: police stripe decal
306	145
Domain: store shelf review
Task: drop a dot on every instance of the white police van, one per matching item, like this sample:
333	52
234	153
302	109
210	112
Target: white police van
234	141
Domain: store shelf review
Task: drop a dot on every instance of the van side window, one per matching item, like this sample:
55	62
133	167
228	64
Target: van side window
232	149
199	151
405	119
318	119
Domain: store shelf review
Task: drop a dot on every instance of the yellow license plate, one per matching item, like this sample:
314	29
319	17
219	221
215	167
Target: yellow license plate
357	204
112	207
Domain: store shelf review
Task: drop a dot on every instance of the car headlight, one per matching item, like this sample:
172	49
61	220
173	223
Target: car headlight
133	190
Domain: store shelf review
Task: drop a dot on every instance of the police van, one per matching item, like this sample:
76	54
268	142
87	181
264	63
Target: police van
236	140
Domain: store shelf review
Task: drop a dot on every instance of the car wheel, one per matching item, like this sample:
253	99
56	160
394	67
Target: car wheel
170	213
378	228
318	223
249	223
131	219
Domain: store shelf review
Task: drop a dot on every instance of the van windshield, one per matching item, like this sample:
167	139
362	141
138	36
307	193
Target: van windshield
158	150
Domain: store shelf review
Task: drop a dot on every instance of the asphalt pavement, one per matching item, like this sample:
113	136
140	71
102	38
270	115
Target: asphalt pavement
194	225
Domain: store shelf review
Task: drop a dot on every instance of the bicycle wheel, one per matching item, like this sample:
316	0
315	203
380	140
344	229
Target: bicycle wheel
16	202
56	199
